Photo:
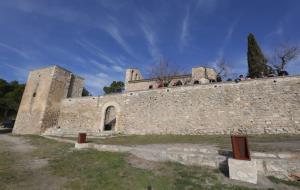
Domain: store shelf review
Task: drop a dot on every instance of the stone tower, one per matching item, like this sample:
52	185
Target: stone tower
132	75
40	105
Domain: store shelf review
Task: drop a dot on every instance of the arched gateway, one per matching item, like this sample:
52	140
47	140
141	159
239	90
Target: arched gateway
110	118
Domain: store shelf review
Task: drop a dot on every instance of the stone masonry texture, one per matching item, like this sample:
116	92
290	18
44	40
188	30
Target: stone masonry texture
260	106
40	105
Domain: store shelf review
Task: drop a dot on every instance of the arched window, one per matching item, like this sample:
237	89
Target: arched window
110	118
196	82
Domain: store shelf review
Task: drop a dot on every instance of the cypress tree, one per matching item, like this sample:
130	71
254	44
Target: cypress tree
257	63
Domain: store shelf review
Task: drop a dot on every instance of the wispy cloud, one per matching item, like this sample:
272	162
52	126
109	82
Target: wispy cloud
238	66
207	6
118	69
112	29
101	66
278	31
95	82
226	41
112	5
19	72
115	62
185	29
15	50
151	38
227	38
96	50
50	10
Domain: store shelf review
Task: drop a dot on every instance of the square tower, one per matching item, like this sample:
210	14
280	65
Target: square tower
40	104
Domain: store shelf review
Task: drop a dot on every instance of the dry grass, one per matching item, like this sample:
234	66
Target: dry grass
91	169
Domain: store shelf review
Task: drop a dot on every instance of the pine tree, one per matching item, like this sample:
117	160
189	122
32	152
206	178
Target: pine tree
257	63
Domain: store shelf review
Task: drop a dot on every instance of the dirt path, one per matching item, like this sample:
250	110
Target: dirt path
26	167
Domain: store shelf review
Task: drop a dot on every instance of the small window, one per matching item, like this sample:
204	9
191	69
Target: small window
34	94
150	87
131	76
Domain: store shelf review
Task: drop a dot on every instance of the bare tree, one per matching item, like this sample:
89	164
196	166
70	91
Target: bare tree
222	69
163	70
282	55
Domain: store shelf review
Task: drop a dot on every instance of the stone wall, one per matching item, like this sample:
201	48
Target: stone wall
40	105
76	86
270	105
135	82
202	72
34	100
140	85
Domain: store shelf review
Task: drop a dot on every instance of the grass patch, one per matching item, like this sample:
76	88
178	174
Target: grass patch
6	172
278	181
91	169
47	148
9	176
14	173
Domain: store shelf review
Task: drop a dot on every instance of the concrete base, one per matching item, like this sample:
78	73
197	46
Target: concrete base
243	170
83	145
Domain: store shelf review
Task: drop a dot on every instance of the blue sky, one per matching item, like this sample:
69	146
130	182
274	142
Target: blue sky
98	39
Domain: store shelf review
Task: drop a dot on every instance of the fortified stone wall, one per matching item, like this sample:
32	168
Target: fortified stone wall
270	105
40	105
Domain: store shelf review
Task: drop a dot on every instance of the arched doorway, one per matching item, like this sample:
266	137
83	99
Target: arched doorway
110	118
